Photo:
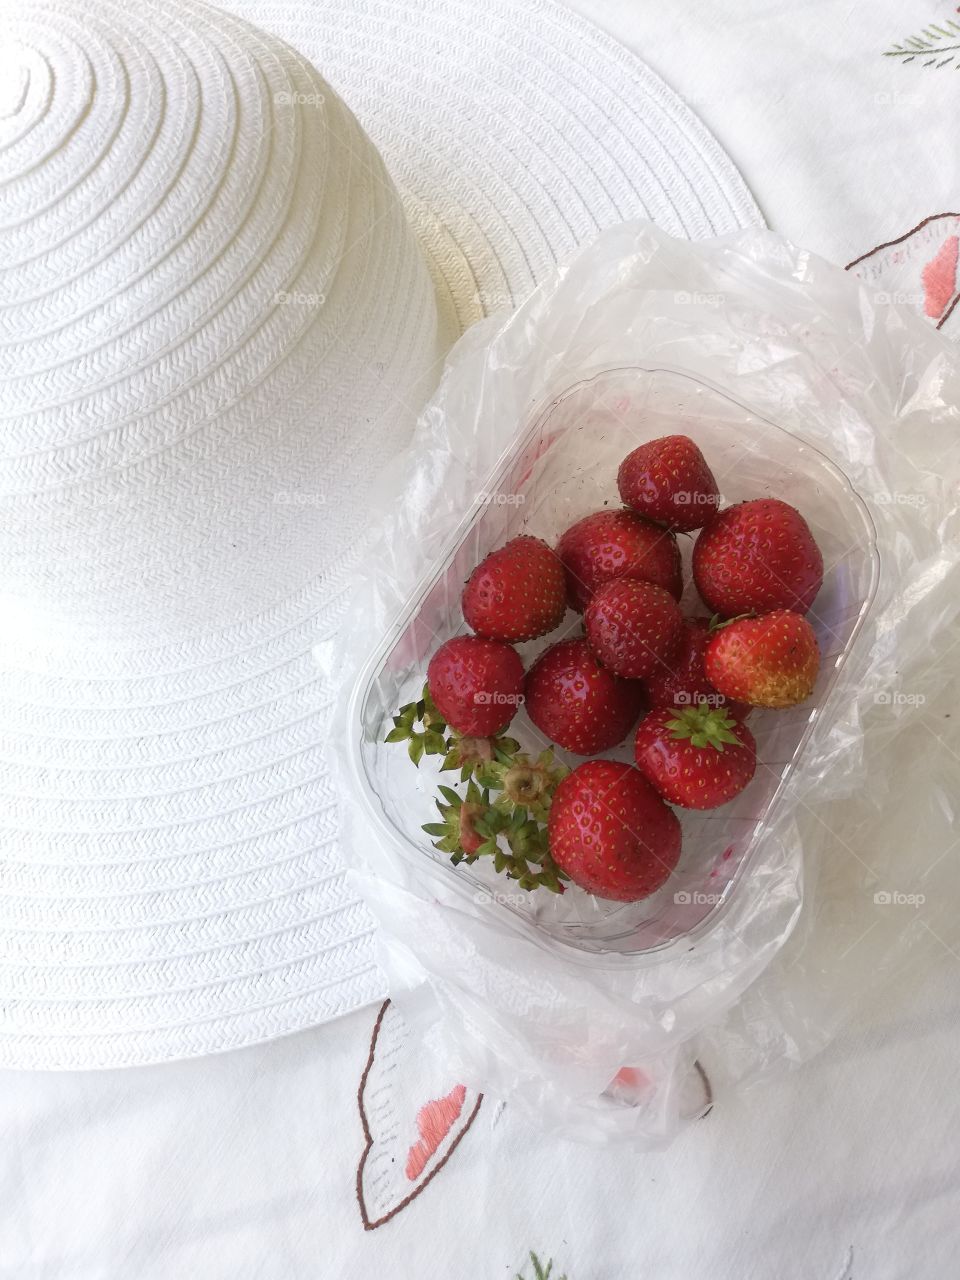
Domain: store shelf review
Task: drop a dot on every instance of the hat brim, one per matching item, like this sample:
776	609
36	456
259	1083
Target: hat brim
514	132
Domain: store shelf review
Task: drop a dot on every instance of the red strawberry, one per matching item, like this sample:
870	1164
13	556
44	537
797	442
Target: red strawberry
516	593
680	681
769	662
578	703
617	544
668	480
633	626
698	758
611	833
755	557
476	684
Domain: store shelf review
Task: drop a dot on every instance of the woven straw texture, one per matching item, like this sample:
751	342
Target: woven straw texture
215	328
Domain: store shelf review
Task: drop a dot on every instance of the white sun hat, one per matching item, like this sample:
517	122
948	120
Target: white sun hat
216	326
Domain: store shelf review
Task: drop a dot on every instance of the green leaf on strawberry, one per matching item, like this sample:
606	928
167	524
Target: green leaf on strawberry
459	833
510	829
705	728
524	782
421	726
698	758
472	828
472	755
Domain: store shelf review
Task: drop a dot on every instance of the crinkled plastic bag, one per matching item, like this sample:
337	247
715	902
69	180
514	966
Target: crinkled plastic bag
849	880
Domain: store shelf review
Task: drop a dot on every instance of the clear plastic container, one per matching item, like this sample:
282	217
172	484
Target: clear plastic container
563	467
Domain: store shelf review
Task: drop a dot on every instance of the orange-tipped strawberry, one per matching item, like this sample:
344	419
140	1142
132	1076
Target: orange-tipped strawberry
698	758
516	593
668	480
771	661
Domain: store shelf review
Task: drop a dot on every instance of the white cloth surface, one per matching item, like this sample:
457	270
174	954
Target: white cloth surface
841	146
244	1165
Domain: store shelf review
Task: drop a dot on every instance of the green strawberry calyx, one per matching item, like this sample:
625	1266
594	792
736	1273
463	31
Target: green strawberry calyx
472	756
510	828
472	827
524	782
421	726
705	727
463	831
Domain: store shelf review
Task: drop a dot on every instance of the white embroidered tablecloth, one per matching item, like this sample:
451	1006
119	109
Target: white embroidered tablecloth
340	1152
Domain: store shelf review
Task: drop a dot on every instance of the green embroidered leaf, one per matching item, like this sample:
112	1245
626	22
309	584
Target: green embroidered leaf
934	40
540	1270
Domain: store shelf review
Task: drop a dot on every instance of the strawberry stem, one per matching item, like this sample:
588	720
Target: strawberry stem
718	624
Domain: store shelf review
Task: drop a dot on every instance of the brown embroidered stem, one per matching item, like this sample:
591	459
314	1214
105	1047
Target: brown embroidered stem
948	313
707	1088
887	244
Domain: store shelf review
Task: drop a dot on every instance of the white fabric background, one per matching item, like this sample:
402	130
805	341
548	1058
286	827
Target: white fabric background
244	1165
841	147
